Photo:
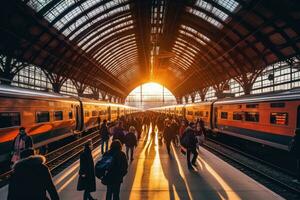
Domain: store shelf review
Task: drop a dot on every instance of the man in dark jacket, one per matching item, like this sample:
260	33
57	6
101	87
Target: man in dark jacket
31	179
130	142
104	134
168	136
191	144
295	149
118	132
118	169
86	180
21	142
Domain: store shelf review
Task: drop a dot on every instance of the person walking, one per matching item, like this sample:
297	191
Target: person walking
168	136
31	178
295	150
86	180
118	169
191	144
104	134
130	142
118	132
21	142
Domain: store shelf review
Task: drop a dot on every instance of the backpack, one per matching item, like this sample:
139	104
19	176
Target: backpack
103	165
184	140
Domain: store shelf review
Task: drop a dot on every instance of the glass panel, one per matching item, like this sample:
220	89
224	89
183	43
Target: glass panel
9	119
279	118
224	115
252	116
58	115
42	116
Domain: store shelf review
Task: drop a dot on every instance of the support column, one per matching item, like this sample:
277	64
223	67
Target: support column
246	80
193	96
9	67
202	93
95	92
103	95
179	100
186	98
219	88
56	81
80	87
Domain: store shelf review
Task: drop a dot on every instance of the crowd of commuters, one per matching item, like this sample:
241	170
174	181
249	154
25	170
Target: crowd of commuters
126	132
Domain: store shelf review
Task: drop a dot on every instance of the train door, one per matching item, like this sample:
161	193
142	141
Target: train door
298	118
78	117
215	118
109	113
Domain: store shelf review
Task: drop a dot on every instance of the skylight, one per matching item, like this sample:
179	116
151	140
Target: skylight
229	5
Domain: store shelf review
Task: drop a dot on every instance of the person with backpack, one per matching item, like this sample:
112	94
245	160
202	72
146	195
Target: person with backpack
104	134
86	180
189	141
111	169
118	132
130	142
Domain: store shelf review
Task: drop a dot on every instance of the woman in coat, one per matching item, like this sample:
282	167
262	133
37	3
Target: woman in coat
86	181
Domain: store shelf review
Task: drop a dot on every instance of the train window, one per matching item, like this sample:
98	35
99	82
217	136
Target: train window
279	118
224	115
190	113
206	114
9	119
86	113
94	113
252	106
237	116
58	115
42	116
70	115
252	116
197	113
277	105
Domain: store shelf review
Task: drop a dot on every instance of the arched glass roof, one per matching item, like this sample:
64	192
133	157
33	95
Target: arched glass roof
185	45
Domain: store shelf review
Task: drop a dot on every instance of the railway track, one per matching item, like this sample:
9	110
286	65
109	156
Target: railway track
275	178
59	157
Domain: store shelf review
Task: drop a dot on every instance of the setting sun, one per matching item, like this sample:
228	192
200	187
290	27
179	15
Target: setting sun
150	95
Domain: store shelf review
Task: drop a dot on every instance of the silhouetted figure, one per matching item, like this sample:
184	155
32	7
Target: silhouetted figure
21	142
86	180
168	136
118	169
104	134
130	142
118	132
31	179
295	149
191	145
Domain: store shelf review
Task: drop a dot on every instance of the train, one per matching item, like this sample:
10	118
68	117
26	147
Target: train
49	117
269	119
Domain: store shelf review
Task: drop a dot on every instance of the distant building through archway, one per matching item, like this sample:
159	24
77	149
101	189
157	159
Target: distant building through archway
150	95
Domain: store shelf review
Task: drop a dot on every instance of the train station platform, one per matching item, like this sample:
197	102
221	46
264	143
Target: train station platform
155	175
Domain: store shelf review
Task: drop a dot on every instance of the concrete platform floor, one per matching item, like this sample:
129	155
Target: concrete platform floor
156	175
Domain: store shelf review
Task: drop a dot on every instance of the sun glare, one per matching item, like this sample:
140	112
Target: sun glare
150	95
